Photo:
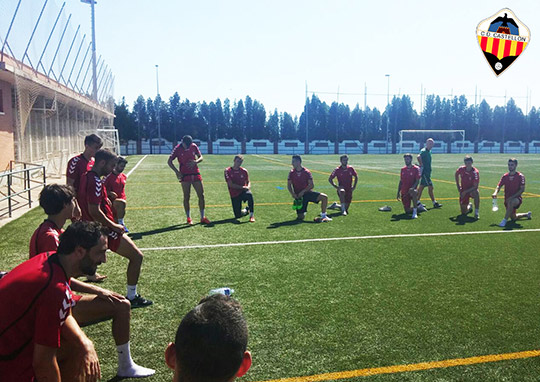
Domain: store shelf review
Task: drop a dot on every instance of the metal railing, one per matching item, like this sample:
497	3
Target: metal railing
27	174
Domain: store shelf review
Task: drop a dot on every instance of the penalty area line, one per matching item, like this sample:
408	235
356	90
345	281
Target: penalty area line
370	237
135	167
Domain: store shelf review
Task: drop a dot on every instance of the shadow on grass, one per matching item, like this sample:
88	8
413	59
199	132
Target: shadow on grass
290	223
402	216
463	219
139	235
510	225
116	379
225	221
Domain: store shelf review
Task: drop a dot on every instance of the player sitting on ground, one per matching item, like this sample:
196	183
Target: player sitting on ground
39	338
115	183
345	175
189	155
514	186
470	178
76	168
408	181
95	206
300	186
210	343
98	304
237	179
424	159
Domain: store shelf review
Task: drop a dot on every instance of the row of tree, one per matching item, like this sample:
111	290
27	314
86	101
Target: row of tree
247	119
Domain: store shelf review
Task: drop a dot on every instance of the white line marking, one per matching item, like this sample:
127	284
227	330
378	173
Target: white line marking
137	165
337	239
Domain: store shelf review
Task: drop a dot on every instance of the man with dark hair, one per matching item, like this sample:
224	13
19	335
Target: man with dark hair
345	175
211	343
98	304
39	339
237	179
424	159
189	156
408	181
115	183
470	178
300	186
514	186
95	206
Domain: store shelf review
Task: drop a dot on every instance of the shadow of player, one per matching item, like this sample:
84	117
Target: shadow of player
462	219
225	221
402	216
510	225
289	223
139	235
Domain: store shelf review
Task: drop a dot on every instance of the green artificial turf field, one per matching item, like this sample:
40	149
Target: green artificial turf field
339	305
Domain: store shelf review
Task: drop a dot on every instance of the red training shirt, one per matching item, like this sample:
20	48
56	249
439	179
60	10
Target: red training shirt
409	175
511	183
300	179
117	184
344	176
45	238
36	300
93	191
239	177
76	168
186	155
468	178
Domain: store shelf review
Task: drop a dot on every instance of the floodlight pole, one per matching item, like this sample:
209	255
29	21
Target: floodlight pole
387	110
158	109
94	64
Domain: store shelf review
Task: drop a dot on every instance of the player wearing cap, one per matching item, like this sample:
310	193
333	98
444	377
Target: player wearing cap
189	156
467	180
408	181
237	179
345	187
300	186
514	186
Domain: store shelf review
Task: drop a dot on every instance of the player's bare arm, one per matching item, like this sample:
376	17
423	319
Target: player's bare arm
170	162
100	217
89	368
457	181
44	364
496	192
307	189
518	194
192	163
291	191
472	189
419	159
331	181
398	197
234	185
355	182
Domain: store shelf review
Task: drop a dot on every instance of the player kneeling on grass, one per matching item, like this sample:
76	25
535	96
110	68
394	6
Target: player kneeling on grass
470	178
211	343
408	181
96	206
300	185
237	179
514	186
98	304
345	175
115	183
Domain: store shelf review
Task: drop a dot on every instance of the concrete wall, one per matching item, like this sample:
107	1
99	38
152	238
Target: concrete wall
7	151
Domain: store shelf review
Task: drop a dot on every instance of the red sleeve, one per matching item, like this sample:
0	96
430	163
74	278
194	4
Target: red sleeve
289	176
108	182
354	172
458	171
477	176
502	181
174	153
50	315
197	151
94	190
310	177
333	174
418	173
522	180
227	175
72	169
247	176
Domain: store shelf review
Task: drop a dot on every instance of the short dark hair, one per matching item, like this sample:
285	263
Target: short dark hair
514	160
297	157
343	157
211	340
91	139
81	233
468	158
54	197
408	155
187	140
122	160
104	154
241	157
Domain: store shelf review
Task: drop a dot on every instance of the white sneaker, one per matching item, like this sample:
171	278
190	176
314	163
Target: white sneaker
333	206
477	216
529	215
469	208
326	219
344	213
421	208
414	216
135	371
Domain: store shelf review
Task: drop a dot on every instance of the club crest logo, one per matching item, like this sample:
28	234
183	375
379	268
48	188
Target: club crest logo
502	38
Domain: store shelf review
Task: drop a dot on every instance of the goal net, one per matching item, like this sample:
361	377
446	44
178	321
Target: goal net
414	140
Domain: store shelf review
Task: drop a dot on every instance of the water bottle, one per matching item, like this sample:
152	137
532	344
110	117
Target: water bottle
226	291
495	207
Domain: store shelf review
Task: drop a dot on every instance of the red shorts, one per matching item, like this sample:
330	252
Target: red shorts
113	241
519	204
348	194
406	199
191	178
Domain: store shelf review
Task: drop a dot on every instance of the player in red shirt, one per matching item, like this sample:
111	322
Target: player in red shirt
514	186
189	155
39	338
98	304
95	206
115	183
237	179
408	183
345	175
300	186
469	177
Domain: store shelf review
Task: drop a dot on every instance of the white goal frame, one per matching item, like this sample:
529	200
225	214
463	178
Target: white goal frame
461	132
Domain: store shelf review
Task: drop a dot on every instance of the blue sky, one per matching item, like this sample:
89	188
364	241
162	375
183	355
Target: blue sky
269	49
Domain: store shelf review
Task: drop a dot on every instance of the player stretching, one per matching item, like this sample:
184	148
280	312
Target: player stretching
95	206
514	186
237	179
408	181
97	304
345	175
189	155
300	185
470	178
115	183
424	159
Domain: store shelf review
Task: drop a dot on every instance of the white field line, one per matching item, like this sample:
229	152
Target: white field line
137	165
437	234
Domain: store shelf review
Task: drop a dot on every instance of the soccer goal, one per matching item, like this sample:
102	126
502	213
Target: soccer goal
109	135
413	140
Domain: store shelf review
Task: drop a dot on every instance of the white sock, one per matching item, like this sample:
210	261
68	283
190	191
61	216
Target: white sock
504	221
323	214
126	366
121	221
124	356
202	213
131	291
188	213
414	211
434	202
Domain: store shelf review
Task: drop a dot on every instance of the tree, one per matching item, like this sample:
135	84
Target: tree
124	122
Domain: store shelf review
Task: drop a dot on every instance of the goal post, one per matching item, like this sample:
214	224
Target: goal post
413	140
